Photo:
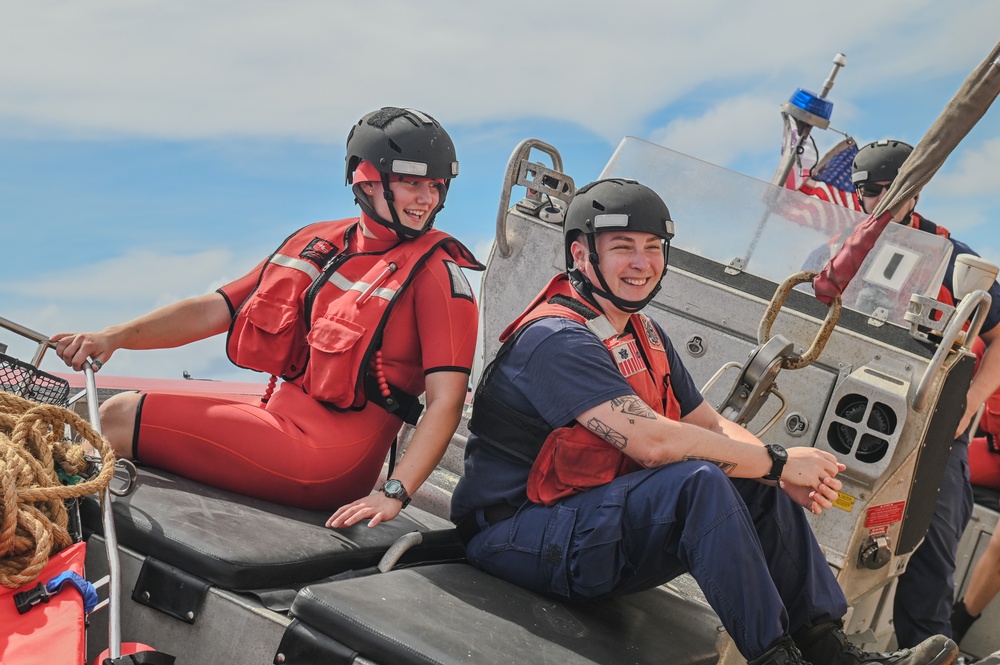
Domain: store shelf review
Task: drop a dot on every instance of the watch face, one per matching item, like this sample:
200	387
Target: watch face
393	487
777	452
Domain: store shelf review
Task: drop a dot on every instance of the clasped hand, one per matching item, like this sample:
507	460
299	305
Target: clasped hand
809	478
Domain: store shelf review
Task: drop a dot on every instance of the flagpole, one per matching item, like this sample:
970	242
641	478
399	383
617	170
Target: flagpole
808	110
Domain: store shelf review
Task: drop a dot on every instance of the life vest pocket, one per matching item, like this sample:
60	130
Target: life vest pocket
334	361
573	460
990	422
267	336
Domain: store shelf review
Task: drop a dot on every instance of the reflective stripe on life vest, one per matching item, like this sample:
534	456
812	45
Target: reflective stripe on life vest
305	319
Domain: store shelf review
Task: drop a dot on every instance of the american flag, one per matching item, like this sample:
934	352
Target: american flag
830	181
627	356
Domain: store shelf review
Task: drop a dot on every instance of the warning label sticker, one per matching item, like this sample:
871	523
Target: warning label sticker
844	501
885	514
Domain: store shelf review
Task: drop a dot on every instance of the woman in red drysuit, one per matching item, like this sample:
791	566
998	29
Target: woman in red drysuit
358	316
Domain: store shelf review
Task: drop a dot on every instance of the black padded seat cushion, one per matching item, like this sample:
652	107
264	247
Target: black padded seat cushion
454	613
240	543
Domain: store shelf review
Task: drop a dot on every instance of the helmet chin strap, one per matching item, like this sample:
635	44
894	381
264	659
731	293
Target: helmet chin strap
629	306
583	286
399	229
580	281
587	289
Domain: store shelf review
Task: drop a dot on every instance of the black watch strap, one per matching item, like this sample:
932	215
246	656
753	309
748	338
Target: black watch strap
778	458
394	489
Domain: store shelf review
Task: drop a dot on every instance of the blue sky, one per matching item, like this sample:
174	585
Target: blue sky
154	150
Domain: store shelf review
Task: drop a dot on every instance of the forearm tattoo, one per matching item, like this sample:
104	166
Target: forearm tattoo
727	467
631	405
616	439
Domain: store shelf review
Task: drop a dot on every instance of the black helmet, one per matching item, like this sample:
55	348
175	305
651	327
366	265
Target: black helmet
606	205
402	142
879	161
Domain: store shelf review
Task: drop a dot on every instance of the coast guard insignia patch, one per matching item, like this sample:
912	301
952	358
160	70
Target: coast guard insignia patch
460	287
651	334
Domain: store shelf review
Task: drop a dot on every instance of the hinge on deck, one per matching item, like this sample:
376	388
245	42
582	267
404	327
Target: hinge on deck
878	317
170	590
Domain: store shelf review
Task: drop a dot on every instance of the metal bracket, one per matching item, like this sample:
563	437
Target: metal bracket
756	383
920	315
736	266
542	180
125	472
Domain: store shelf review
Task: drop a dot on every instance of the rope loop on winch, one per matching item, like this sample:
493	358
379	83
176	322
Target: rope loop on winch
34	522
771	313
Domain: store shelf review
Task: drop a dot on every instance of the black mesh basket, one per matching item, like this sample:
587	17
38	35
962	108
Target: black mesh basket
29	382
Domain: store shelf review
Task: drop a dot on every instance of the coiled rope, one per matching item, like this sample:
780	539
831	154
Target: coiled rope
34	522
822	335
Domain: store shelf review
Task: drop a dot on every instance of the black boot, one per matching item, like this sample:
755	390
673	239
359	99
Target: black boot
826	644
961	621
782	652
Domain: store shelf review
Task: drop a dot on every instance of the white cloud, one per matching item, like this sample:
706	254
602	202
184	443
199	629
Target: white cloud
173	275
307	68
726	131
973	172
962	195
116	290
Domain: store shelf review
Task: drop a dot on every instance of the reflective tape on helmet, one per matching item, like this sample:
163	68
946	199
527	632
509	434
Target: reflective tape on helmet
610	221
405	167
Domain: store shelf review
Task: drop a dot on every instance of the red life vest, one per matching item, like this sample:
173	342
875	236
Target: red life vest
318	312
574	459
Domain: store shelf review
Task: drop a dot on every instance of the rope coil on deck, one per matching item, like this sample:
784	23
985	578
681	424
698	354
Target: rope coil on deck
33	517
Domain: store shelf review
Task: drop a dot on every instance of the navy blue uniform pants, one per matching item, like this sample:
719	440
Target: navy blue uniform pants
926	590
749	547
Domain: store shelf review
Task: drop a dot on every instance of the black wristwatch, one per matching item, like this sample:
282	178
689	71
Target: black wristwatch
395	490
778	458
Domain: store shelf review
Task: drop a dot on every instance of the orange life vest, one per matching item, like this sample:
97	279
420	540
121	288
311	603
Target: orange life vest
573	459
318	312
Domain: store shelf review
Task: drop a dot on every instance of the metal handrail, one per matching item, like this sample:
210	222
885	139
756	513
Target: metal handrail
520	154
37	337
107	519
979	301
